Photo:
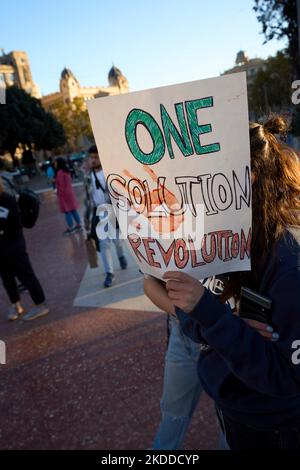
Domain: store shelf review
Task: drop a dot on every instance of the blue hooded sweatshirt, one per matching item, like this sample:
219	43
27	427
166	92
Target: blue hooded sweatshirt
252	380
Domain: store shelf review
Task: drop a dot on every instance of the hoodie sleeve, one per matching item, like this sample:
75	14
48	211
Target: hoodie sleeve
190	326
265	366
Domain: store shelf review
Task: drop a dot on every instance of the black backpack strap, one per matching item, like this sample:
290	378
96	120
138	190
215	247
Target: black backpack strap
98	184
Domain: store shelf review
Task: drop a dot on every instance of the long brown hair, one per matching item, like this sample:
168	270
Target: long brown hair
1	186
275	199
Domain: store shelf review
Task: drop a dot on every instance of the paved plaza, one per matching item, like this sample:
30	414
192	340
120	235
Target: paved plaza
89	375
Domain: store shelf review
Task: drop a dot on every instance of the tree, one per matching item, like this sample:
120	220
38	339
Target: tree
53	134
23	120
271	88
279	20
75	121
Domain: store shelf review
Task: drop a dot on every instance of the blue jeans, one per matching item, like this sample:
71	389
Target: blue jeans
181	389
106	254
104	246
72	215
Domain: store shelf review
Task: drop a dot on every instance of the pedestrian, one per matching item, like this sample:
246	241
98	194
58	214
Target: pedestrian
255	383
29	161
96	194
66	197
70	166
14	261
50	173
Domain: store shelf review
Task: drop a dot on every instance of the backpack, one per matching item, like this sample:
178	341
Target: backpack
28	202
29	207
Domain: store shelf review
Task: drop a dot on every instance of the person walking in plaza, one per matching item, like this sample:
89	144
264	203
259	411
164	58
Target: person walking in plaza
50	173
255	383
96	193
14	261
66	197
70	166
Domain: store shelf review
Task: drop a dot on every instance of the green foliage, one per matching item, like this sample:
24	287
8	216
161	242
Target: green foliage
279	20
271	89
75	120
23	120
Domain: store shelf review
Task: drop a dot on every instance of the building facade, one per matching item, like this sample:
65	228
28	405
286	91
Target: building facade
15	70
244	64
70	88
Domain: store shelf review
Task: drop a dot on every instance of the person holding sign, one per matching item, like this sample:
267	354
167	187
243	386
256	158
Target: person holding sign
255	383
181	386
179	176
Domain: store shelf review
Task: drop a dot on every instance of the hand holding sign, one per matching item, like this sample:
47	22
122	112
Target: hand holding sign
183	290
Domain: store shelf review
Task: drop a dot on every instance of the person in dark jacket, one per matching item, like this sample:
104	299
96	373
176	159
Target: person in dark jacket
255	383
14	261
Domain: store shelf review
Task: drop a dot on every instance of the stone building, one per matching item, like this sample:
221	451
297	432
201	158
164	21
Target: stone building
15	70
70	88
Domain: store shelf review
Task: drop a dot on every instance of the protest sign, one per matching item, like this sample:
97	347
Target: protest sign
177	166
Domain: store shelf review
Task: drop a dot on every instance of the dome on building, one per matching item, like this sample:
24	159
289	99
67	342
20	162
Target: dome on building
114	73
66	74
117	79
241	58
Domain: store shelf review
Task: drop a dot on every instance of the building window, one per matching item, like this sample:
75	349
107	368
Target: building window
10	78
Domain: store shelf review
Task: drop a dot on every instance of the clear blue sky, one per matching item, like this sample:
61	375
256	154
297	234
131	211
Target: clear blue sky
153	42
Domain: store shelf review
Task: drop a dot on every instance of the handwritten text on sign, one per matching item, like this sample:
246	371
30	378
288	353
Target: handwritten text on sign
177	166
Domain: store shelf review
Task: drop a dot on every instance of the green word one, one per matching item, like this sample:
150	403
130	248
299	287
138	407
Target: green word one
185	133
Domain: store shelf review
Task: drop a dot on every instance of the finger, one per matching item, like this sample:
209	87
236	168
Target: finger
173	295
178	276
178	286
265	334
259	325
179	304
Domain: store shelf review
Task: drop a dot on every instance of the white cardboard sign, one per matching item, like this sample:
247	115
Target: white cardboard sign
177	166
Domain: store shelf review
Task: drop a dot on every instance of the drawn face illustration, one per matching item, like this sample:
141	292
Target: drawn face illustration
162	221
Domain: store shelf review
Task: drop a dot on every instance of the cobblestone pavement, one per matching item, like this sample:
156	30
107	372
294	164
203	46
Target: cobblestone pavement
83	377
